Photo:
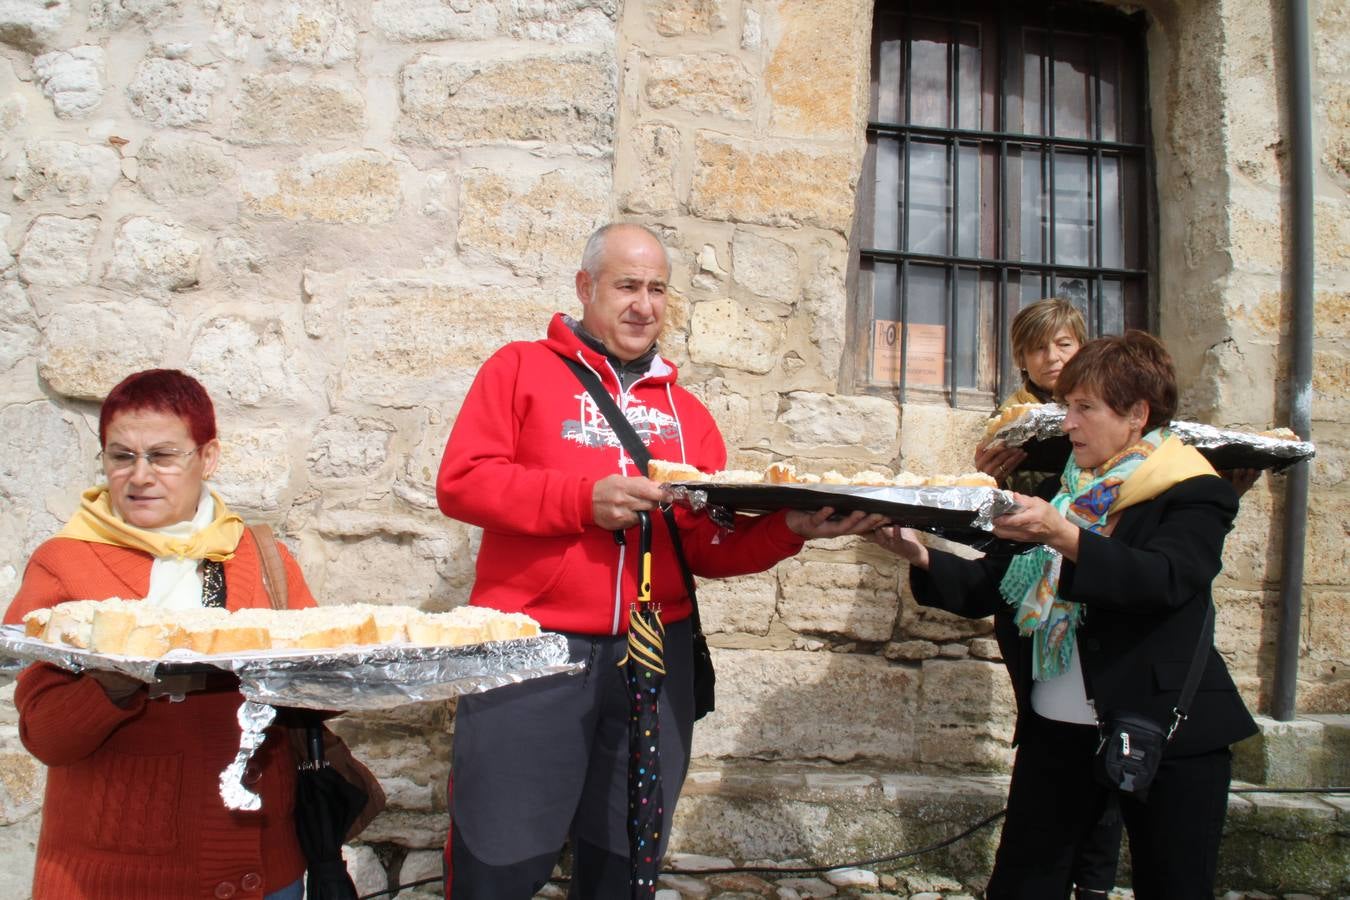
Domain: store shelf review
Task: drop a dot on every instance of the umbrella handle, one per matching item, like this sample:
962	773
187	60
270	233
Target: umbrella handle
314	740
645	546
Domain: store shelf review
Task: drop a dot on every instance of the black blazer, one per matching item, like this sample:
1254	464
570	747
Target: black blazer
1144	592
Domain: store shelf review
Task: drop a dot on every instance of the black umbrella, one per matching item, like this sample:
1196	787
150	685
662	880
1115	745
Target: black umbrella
646	669
326	805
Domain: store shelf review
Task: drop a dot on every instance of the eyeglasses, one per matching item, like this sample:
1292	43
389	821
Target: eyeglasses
166	461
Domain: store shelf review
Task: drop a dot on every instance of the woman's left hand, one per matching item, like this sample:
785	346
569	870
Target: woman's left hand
818	524
1037	522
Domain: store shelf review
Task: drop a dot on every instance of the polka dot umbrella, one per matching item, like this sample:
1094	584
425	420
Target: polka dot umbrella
646	670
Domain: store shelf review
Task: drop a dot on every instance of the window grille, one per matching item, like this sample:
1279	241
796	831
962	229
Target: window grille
1008	160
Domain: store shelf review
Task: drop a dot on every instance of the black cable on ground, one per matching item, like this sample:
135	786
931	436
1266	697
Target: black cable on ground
877	860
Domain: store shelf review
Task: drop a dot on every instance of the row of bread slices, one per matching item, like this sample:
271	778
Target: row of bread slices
133	628
786	473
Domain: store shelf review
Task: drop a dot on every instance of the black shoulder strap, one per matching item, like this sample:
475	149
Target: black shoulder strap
623	430
1197	668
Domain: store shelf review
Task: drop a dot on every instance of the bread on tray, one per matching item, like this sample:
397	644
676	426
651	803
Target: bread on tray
132	628
786	473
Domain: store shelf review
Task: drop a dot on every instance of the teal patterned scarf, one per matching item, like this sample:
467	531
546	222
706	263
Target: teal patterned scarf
1031	583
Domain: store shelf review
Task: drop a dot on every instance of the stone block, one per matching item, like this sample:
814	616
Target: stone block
1328	540
562	21
111	14
72	79
404	339
1327	614
694	17
851	600
77	174
725	333
32	25
149	255
172	167
56	250
255	466
531	223
770	705
656	148
18	847
248	363
815	85
38	498
928	624
18	325
709	84
347	557
825	305
730	409
6	257
965	714
347	447
172	92
1304	752
1245	629
348	186
365	868
88	348
937	440
562	98
743	605
1285	844
311	33
1331	235
288	108
771	184
813	424
764	266
1330	377
432	20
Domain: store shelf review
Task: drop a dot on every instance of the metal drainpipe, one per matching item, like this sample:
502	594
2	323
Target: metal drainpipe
1300	375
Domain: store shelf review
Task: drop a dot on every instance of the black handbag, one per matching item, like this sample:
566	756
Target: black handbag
705	677
1132	744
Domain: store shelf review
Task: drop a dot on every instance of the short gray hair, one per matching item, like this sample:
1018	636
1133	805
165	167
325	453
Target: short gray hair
595	246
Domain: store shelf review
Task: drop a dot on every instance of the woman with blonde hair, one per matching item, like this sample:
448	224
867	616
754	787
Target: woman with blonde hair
1044	337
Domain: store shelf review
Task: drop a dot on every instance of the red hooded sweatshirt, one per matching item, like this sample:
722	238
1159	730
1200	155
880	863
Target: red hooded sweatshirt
526	451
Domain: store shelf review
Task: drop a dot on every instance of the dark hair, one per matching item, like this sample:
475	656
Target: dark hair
163	390
1123	369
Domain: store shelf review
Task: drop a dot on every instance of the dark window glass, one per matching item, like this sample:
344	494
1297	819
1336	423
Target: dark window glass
1007	161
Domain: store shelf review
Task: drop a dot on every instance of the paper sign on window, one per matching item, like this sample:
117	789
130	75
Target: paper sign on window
926	356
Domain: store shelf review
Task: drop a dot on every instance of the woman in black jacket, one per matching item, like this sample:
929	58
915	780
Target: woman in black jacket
1103	615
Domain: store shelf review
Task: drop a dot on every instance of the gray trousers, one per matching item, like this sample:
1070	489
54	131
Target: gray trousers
546	761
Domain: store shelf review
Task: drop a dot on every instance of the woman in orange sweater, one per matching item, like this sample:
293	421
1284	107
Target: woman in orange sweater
133	807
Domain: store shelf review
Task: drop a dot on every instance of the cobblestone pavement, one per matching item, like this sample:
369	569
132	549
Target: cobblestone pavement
841	884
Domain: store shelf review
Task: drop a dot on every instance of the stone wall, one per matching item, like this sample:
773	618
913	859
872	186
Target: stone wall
331	212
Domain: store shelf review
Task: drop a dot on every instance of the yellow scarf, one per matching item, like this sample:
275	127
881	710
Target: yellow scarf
1021	395
98	522
1172	463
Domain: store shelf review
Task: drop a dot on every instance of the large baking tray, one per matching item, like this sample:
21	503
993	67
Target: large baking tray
1038	432
355	678
957	513
373	677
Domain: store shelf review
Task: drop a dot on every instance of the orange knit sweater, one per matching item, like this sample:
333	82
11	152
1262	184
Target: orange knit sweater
133	807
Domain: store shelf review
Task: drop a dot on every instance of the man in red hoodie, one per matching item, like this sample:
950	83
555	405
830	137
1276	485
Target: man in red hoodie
534	464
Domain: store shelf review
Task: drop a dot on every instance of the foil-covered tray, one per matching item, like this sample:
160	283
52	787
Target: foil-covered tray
366	678
372	677
961	514
1039	432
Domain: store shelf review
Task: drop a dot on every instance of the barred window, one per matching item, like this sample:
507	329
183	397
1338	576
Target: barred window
1008	160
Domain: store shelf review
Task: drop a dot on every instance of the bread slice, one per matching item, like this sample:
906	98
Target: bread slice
35	622
667	470
71	623
780	473
112	622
